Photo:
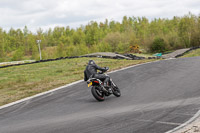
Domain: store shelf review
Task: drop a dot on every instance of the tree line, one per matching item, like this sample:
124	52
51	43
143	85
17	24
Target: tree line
157	35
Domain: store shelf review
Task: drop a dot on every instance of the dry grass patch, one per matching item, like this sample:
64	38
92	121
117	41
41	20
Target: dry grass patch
192	53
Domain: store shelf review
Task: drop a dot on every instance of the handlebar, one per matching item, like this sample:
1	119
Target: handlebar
100	72
106	69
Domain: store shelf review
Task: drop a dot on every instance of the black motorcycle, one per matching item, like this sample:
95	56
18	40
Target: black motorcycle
99	91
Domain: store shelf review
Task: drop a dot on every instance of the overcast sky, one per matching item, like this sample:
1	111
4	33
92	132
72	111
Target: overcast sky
73	13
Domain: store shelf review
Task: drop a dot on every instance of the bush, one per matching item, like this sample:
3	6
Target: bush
104	47
158	45
61	50
122	48
2	59
82	49
113	39
195	41
18	55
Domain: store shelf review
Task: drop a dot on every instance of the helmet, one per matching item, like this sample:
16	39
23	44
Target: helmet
91	62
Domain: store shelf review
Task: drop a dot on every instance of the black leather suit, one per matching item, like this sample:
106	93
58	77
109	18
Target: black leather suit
91	70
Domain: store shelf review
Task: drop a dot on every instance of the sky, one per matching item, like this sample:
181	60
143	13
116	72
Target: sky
47	14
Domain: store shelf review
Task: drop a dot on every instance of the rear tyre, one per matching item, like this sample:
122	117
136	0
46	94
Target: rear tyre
99	96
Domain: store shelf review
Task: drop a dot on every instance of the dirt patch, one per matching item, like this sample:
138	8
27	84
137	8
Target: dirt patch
109	54
175	53
194	127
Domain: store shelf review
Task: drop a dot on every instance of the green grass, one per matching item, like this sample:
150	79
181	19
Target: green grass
22	81
192	53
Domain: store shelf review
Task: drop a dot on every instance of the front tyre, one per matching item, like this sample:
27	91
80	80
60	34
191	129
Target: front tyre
98	95
116	91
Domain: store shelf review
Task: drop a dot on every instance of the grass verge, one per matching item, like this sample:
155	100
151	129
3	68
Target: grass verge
192	53
23	81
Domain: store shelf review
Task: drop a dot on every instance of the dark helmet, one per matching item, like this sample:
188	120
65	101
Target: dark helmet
91	62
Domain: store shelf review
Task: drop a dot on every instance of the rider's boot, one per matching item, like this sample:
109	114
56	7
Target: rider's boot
107	87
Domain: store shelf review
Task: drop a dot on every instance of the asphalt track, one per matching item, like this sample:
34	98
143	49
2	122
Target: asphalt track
156	98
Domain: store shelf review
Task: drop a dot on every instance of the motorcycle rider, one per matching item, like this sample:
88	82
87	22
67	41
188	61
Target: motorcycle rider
91	71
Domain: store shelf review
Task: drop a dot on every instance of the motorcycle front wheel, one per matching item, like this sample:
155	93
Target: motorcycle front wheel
116	91
98	95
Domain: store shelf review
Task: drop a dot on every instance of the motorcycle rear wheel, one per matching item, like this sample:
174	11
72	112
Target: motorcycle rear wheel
99	96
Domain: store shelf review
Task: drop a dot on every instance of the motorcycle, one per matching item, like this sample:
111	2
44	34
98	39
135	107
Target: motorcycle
99	91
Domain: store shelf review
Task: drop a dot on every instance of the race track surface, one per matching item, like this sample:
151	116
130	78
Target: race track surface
156	98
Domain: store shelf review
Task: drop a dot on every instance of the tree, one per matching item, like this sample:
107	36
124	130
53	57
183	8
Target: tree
78	37
91	33
18	55
113	39
2	50
61	50
178	32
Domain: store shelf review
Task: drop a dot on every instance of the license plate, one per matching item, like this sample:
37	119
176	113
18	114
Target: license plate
89	84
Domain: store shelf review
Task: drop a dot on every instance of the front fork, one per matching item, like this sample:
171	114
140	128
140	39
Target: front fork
112	83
